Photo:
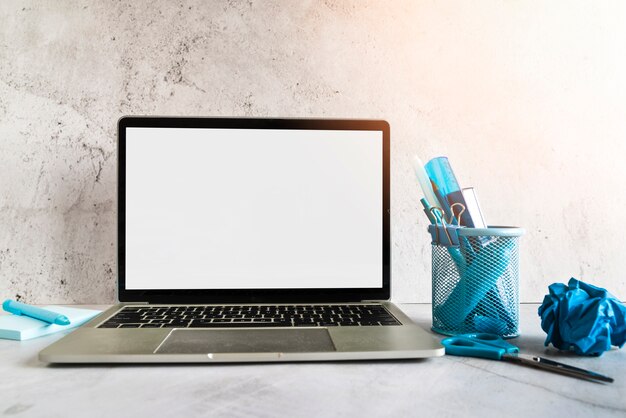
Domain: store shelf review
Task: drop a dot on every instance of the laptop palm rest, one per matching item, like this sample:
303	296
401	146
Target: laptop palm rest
206	341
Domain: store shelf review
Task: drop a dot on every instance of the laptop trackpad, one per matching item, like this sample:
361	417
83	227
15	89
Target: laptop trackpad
204	341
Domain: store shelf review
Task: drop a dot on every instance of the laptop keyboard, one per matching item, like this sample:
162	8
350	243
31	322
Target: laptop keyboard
250	316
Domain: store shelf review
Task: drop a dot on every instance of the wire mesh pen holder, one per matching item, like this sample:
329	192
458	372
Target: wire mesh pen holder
476	283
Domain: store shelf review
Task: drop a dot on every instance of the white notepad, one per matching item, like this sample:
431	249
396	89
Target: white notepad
19	327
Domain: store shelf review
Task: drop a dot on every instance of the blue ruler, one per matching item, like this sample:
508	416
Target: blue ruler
440	172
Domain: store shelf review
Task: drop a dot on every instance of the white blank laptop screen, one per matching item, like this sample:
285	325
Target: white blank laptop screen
253	209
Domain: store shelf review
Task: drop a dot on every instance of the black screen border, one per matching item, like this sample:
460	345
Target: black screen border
320	295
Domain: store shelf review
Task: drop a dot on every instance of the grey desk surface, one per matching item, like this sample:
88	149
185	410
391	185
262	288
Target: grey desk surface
446	386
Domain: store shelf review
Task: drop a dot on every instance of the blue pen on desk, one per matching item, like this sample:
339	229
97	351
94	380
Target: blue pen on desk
18	308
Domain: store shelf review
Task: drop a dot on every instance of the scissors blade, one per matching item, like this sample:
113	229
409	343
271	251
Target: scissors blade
556	367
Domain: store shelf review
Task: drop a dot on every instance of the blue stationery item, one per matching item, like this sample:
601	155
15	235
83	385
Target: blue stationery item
435	216
441	199
19	308
424	181
445	232
427	210
483	296
479	280
475	268
20	327
494	313
449	192
481	345
582	317
480	276
441	174
490	324
493	347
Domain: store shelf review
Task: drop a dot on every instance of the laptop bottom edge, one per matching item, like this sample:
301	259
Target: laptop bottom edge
93	344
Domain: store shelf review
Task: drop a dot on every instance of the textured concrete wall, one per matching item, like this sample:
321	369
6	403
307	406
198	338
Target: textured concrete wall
526	98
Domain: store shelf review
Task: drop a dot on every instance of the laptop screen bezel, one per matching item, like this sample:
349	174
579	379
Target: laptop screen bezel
321	295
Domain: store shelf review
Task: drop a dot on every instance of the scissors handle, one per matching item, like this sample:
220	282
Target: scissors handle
467	347
481	345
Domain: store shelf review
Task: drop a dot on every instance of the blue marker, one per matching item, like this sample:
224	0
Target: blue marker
18	308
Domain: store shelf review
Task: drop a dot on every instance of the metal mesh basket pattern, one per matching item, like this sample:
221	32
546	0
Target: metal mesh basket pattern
476	286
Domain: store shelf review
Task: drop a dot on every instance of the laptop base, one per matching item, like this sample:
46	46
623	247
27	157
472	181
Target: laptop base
89	344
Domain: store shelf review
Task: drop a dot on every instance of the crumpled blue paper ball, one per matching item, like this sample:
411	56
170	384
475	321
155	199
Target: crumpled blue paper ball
582	317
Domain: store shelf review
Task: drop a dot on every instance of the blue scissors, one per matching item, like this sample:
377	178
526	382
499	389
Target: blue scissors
491	346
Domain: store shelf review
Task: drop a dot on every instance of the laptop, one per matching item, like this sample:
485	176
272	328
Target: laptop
250	240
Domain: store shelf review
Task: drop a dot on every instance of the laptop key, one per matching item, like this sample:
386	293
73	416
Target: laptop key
130	321
226	325
180	322
369	323
126	317
175	325
254	316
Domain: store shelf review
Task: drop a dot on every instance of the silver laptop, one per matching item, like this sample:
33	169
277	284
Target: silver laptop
250	240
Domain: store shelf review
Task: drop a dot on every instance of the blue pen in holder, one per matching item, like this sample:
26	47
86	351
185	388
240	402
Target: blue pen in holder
476	281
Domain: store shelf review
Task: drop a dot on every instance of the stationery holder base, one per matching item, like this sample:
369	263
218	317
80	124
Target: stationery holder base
475	286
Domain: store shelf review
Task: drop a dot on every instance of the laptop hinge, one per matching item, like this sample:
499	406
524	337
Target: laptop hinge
362	301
